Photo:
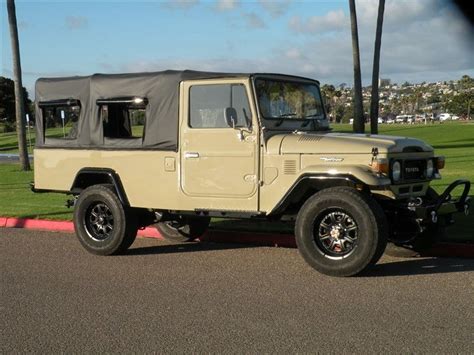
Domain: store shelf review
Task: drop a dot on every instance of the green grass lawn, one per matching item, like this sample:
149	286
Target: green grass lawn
454	140
17	200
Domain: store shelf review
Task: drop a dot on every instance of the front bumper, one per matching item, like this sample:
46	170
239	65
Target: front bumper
442	205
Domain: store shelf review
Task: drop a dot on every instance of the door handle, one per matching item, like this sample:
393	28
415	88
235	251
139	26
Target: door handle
191	155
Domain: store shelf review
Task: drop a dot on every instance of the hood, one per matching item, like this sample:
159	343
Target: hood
342	143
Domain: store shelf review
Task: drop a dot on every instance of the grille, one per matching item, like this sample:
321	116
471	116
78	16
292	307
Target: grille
309	138
289	167
414	169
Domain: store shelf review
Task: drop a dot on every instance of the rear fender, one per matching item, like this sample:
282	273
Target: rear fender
98	176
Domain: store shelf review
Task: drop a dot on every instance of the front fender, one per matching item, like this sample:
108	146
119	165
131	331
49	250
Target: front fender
362	174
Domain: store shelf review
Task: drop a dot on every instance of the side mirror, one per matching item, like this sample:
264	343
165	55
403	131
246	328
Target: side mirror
231	117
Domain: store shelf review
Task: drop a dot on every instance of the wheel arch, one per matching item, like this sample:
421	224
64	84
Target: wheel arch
306	185
99	176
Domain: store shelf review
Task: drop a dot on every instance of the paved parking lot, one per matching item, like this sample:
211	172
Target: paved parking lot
55	297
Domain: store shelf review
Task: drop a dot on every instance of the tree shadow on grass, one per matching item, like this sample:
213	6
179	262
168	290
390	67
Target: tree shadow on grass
454	145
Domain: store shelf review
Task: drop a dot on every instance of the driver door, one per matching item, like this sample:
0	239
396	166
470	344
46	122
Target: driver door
219	163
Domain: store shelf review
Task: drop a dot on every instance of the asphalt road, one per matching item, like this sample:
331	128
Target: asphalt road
221	298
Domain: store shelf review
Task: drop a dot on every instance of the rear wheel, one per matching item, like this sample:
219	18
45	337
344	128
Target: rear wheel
340	232
184	228
102	223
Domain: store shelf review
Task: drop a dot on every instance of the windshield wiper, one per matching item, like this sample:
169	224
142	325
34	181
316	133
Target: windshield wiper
310	118
283	116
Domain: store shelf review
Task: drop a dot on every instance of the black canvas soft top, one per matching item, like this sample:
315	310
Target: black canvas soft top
160	88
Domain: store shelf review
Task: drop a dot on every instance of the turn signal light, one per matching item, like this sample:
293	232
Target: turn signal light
380	165
440	162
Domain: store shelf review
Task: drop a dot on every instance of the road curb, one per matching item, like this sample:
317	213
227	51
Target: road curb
60	226
444	249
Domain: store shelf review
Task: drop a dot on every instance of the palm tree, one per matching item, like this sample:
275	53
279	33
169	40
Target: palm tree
19	102
374	103
358	125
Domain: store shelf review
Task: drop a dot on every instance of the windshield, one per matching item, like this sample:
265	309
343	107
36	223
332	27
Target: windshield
289	100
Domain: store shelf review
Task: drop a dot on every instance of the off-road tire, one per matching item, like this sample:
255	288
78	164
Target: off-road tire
186	229
362	211
102	224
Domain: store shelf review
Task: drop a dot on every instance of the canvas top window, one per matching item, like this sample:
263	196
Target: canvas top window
60	119
123	117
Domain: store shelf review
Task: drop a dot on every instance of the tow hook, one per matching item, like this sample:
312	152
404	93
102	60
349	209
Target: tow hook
72	202
415	203
419	223
434	217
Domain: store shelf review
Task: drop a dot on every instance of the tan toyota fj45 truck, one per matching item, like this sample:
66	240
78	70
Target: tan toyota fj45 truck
176	148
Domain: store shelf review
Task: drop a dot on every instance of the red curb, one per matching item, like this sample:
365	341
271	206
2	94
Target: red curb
462	250
150	232
59	226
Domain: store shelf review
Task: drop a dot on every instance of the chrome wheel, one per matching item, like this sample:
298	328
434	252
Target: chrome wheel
336	234
99	221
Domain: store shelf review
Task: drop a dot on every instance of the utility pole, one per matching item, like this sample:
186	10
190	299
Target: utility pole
19	99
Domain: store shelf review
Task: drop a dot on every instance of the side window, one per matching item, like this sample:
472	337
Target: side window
123	117
208	104
60	119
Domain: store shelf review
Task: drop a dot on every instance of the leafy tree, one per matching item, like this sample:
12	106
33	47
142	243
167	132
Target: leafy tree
461	104
7	100
329	93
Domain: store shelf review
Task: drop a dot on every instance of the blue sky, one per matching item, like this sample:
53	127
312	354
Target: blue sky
424	40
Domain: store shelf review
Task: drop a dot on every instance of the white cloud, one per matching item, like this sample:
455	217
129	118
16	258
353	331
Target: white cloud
434	44
332	21
179	4
421	40
294	53
23	24
75	22
275	8
226	5
253	20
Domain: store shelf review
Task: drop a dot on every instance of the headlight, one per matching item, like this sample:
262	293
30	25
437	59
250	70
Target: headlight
396	171
429	168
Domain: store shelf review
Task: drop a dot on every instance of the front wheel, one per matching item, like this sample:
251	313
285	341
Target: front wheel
101	222
184	228
340	232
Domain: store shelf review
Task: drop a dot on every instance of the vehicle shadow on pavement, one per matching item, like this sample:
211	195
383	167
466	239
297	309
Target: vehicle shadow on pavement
422	266
185	248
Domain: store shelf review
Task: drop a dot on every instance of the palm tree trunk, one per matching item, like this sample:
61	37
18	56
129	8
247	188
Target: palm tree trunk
19	99
374	102
358	125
